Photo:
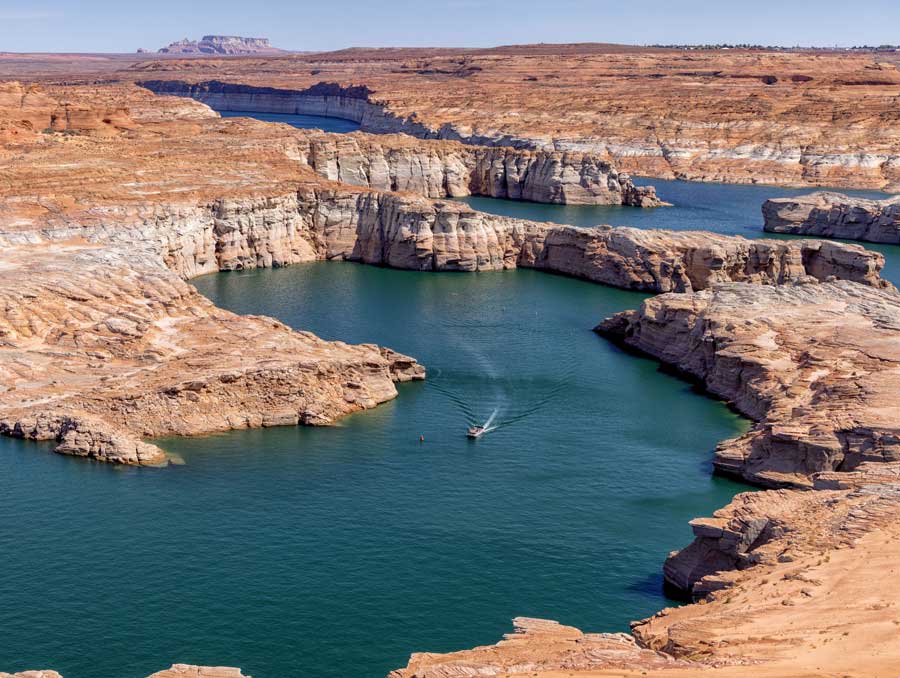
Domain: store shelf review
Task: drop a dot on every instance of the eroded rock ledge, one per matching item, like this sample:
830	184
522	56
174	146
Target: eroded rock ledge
817	366
175	671
439	169
409	232
103	346
834	215
432	168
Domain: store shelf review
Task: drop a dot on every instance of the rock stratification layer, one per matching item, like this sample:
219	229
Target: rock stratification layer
814	118
436	169
103	343
439	169
834	215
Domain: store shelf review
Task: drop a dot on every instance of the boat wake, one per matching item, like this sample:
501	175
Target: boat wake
498	386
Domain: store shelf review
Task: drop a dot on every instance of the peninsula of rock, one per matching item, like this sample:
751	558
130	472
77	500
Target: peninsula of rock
833	215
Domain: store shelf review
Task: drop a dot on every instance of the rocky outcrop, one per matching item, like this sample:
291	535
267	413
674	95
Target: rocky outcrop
414	233
541	645
434	169
786	117
816	365
449	169
408	232
834	215
781	526
175	671
190	671
27	110
783	580
225	45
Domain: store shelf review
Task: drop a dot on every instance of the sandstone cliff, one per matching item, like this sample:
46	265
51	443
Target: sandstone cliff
449	169
794	598
835	216
414	233
815	365
435	169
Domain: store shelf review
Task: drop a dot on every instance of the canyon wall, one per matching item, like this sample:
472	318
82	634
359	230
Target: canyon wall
815	365
834	215
642	115
431	169
410	232
450	169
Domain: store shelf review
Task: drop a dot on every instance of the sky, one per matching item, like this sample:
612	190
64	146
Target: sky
125	25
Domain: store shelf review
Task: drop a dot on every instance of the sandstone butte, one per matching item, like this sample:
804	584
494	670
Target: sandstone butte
835	215
102	220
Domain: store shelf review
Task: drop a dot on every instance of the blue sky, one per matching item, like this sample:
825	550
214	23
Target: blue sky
125	25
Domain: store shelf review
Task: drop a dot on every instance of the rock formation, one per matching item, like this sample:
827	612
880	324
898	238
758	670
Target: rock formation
189	671
107	345
541	645
794	598
223	45
439	169
835	216
103	344
175	671
419	234
435	169
816	365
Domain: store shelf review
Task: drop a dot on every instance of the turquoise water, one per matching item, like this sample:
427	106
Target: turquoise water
300	121
721	208
335	552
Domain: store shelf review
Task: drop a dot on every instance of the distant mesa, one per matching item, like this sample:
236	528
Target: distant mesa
222	45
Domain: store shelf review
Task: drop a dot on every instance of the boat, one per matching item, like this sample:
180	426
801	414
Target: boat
475	431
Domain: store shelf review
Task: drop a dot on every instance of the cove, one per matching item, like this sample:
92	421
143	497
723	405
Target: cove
336	552
322	122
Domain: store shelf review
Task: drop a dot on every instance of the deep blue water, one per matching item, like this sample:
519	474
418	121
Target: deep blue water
730	209
335	552
301	121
